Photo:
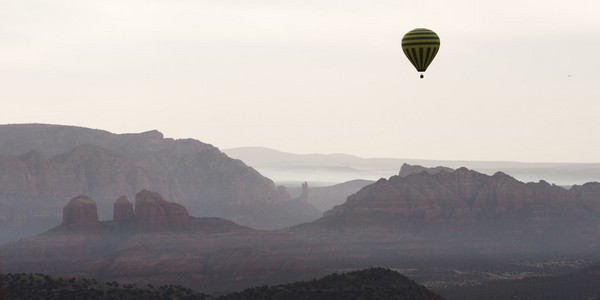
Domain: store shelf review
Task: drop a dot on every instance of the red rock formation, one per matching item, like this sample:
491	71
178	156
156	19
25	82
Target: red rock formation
123	210
102	165
468	197
153	213
81	214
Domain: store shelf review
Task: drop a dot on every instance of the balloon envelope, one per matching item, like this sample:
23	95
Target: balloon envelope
420	46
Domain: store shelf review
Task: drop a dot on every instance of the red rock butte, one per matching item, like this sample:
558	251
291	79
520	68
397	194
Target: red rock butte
81	214
153	213
123	210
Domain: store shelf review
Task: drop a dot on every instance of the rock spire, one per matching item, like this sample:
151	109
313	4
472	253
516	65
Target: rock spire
81	214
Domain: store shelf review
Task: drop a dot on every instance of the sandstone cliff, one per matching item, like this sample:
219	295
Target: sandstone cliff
217	179
464	195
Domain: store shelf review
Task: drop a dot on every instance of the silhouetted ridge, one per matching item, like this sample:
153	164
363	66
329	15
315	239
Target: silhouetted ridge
41	286
374	283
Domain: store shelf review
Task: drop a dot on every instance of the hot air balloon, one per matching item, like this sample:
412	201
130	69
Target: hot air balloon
420	46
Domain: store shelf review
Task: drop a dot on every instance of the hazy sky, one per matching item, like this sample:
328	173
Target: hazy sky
514	80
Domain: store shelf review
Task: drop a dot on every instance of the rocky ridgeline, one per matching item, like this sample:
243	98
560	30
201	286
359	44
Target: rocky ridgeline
452	198
152	213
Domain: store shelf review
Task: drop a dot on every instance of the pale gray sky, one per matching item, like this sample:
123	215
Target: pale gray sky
514	80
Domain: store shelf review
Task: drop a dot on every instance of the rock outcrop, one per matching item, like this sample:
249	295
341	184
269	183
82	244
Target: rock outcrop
123	210
81	214
153	213
304	193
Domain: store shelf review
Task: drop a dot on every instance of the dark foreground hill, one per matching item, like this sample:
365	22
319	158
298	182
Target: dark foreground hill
376	283
44	287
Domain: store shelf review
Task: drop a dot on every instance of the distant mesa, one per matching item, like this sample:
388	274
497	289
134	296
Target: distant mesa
407	169
152	213
372	283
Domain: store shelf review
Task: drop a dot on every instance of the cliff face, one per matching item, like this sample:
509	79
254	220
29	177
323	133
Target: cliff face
62	161
86	169
196	170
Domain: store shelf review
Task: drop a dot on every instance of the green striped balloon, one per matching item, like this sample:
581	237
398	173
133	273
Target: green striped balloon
420	46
